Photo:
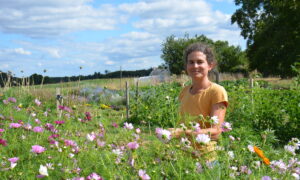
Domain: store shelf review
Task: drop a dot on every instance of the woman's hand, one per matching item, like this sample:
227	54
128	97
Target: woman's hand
176	132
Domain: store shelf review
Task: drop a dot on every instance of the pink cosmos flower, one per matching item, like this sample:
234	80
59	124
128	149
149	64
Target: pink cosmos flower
143	175
15	125
128	126
266	178
70	143
37	121
94	176
133	145
100	143
226	126
59	122
65	108
3	142
12	99
37	102
38	129
91	136
13	160
38	149
1	130
5	101
114	124
138	130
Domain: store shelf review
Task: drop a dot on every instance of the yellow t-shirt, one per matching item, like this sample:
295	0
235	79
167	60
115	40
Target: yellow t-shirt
201	104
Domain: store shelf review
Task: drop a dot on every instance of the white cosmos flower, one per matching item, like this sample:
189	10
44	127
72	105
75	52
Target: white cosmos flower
215	119
202	138
43	170
163	134
231	154
251	148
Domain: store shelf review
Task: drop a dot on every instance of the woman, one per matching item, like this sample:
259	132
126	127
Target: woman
202	99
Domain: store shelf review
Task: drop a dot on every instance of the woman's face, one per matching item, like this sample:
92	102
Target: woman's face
197	65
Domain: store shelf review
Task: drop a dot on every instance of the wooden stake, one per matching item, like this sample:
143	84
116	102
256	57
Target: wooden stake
127	101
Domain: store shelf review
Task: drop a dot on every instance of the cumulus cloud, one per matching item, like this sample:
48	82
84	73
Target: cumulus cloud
178	17
50	18
136	47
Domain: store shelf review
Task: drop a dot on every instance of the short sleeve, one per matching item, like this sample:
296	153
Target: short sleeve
181	94
220	96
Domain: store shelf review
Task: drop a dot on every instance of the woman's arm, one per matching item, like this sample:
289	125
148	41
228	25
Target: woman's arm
218	110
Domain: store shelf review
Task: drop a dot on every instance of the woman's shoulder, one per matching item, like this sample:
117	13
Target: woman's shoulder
216	87
184	90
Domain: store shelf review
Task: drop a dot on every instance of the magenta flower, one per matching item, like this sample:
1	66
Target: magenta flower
38	129
65	108
143	175
133	145
3	142
38	149
12	99
13	160
37	102
1	130
59	122
15	125
114	124
94	176
5	101
70	143
88	116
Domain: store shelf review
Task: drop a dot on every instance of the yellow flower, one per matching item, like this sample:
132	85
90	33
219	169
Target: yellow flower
20	105
103	106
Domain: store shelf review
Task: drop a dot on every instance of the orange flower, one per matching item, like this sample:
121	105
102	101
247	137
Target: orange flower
266	161
259	152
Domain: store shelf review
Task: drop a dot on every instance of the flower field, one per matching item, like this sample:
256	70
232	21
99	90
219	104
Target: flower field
82	139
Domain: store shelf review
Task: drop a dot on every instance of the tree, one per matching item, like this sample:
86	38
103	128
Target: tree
272	30
230	58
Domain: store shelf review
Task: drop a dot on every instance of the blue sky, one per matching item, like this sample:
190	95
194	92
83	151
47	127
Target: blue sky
62	35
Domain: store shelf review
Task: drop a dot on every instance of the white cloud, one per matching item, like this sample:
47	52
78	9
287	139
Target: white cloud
110	62
50	18
15	51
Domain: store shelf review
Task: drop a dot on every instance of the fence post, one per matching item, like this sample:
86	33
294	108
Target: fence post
251	87
59	102
127	101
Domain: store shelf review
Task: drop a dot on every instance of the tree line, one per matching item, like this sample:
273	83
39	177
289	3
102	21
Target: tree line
7	78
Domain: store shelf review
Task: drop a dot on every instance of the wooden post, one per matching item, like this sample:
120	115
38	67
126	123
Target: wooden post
217	77
251	87
120	77
59	101
127	101
137	89
251	83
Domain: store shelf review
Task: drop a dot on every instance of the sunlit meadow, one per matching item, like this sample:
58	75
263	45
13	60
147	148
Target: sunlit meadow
84	134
